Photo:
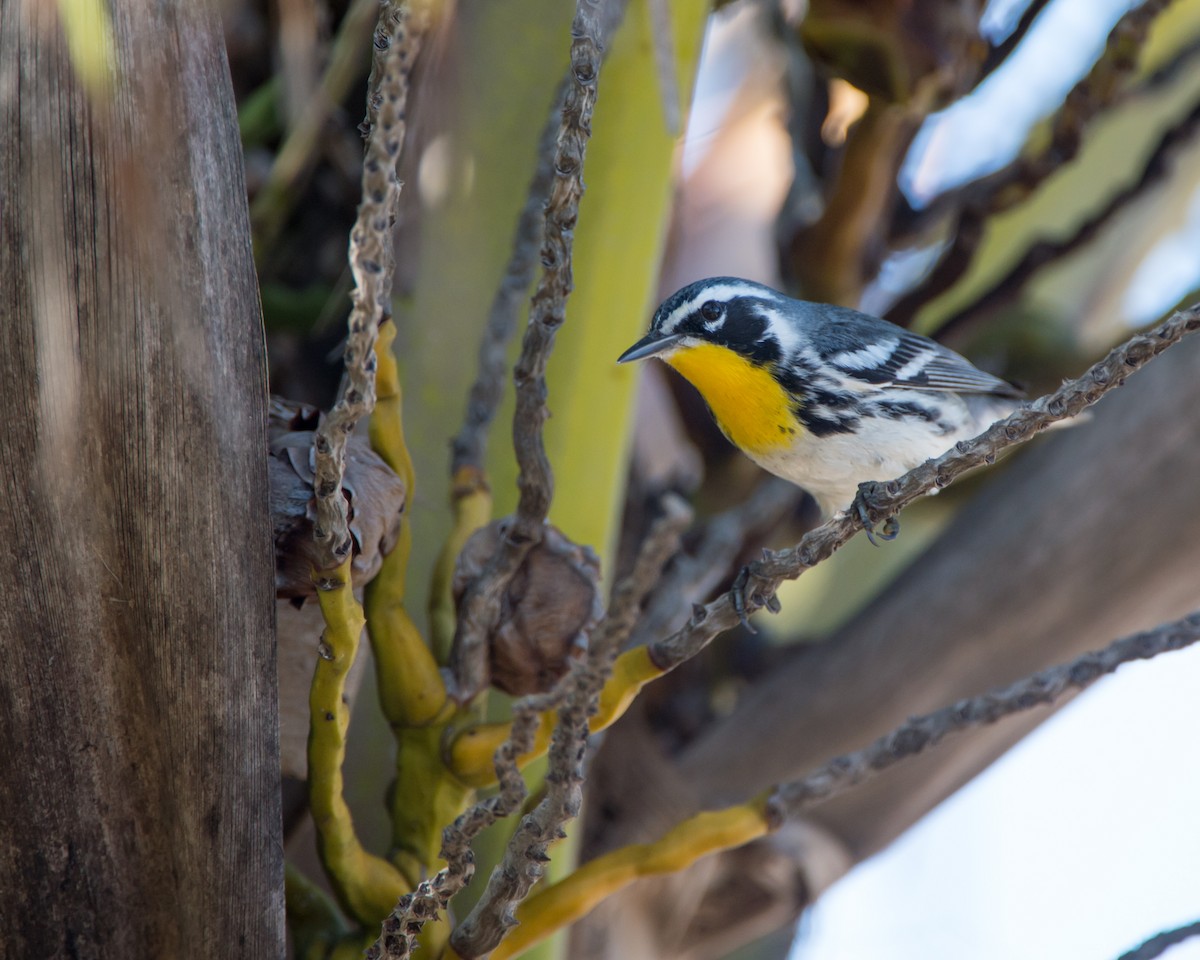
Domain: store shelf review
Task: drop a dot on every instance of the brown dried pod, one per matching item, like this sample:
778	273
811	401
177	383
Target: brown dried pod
375	494
545	614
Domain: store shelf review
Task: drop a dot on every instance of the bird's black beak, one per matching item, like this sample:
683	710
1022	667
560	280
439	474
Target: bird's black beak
648	346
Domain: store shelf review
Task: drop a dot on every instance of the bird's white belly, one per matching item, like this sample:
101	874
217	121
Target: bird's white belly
832	467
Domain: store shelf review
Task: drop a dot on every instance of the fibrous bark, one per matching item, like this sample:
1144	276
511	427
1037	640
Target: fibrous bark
139	783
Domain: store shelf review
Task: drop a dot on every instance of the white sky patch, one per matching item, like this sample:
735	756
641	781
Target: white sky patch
865	358
1168	272
983	132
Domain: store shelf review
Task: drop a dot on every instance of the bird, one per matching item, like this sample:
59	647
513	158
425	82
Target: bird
823	396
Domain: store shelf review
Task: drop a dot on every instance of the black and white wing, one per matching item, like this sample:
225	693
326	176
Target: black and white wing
870	350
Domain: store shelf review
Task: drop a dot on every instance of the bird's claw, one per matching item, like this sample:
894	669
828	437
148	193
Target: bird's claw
738	593
891	526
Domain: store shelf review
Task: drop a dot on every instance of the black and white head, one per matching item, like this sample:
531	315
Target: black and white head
741	315
808	344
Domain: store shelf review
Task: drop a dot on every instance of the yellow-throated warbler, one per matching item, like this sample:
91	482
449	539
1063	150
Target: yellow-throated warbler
825	397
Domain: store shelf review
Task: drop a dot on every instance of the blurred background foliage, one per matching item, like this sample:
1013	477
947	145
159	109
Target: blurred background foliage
1019	179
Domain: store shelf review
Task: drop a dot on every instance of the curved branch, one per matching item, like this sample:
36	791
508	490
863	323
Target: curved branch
398	36
920	733
481	603
1158	945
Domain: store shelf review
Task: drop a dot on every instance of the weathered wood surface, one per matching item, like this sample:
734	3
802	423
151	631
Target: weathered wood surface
139	784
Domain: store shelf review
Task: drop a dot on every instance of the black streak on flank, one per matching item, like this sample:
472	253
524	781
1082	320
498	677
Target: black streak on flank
905	410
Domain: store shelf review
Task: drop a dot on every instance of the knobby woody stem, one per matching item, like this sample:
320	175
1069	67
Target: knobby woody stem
469	447
481	604
527	851
713	831
397	39
1156	946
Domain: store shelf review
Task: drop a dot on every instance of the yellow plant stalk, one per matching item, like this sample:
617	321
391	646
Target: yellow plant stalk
470	752
562	904
367	886
411	691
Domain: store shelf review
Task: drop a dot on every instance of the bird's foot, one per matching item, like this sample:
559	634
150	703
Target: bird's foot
749	596
864	506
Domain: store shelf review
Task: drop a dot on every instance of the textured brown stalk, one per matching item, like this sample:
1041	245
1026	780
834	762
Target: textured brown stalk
398	937
469	447
527	851
481	603
397	39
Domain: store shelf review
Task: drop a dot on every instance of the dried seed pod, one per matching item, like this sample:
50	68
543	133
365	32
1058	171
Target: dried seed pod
375	494
550	605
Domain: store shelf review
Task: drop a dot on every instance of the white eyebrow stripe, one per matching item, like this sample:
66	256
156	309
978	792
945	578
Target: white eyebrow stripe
720	292
873	355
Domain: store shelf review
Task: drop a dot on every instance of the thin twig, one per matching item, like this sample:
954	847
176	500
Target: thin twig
526	853
549	304
998	55
696	573
882	500
920	733
660	545
1158	945
371	263
481	603
469	448
403	925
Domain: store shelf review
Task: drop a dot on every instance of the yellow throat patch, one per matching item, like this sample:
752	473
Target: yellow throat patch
752	409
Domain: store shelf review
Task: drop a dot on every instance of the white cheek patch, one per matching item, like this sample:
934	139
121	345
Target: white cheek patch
779	327
720	292
866	358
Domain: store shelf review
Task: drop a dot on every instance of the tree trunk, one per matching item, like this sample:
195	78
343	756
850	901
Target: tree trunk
139	784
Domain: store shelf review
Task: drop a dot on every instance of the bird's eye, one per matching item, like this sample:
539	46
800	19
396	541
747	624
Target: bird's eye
712	310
